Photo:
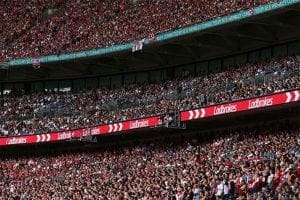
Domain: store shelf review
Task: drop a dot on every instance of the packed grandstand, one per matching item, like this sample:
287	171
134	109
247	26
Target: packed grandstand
251	155
239	164
38	27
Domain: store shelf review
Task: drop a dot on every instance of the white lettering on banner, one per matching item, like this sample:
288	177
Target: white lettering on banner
191	114
218	110
288	97
48	137
18	140
195	114
258	103
202	112
297	95
110	128
116	126
95	131
43	138
65	135
86	132
38	138
120	126
139	124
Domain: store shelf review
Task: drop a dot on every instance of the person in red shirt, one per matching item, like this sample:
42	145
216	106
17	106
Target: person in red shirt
298	169
122	7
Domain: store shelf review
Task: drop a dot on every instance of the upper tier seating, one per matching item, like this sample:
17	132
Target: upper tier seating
33	28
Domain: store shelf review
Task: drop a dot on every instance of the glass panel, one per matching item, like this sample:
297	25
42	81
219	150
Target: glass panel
116	81
241	59
202	68
155	76
184	70
78	84
280	51
142	77
7	88
51	86
166	74
18	86
215	66
266	54
294	48
37	87
129	79
229	63
65	86
254	56
91	83
104	81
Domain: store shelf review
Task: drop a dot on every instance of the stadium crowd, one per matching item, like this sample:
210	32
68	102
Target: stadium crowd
242	164
33	28
50	112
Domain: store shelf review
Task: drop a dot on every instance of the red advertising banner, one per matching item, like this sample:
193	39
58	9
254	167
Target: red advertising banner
75	134
243	105
238	106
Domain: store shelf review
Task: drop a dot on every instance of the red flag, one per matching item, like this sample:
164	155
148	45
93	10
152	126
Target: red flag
122	7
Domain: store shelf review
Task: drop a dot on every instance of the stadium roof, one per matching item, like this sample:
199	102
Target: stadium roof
253	32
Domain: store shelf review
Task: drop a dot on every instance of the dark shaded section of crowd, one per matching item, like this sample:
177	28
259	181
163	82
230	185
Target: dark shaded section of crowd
43	113
33	28
48	112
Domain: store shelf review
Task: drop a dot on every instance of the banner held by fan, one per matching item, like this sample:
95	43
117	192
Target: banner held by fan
36	63
4	65
138	45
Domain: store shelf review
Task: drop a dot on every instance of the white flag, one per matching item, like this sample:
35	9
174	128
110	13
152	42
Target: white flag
138	45
36	63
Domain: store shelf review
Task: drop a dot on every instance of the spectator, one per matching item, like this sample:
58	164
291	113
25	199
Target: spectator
145	171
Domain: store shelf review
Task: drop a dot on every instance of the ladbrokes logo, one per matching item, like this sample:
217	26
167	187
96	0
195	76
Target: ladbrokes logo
95	131
139	124
18	140
65	135
218	110
258	103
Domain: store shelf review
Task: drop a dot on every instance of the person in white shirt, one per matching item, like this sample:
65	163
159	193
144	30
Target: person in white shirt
270	180
220	190
197	192
226	190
